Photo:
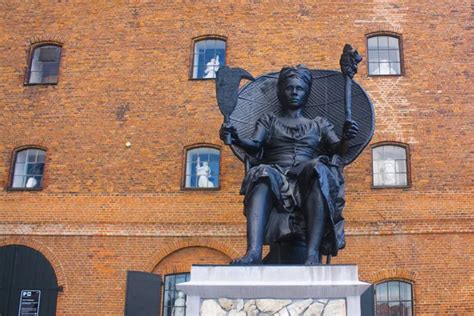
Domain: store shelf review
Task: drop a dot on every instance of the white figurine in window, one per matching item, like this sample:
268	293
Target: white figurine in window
203	173
212	67
31	182
389	174
179	306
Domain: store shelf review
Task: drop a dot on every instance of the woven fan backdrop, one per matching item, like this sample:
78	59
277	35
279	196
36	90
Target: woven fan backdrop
326	100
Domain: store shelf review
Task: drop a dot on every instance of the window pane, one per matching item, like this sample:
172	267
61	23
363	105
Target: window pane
384	68
180	278
193	181
394	55
31	169
41	156
38	179
402	179
373	56
382	309
400	166
35	65
372	42
19	169
47	54
383	42
377	166
394	309
31	157
18	182
191	156
50	72
209	55
167	282
21	156
374	69
189	165
35	77
381	290
406	309
378	179
200	46
219	44
393	42
377	153
383	55
393	291
214	158
387	152
399	152
405	291
38	169
395	69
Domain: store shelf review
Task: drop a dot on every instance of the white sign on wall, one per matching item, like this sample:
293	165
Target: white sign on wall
29	303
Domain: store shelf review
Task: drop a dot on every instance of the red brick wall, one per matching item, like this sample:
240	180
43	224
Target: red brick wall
106	208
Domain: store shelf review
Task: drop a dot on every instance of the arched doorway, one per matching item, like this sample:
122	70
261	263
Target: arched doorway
28	284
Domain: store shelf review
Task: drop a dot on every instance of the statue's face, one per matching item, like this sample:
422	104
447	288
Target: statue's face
295	92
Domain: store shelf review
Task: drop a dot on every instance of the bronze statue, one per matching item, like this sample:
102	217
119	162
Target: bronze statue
294	188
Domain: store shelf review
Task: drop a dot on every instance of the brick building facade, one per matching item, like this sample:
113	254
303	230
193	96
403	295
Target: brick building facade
106	207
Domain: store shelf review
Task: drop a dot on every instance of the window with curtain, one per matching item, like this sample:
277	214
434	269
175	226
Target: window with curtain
202	168
209	55
28	169
393	298
384	55
44	64
174	301
389	167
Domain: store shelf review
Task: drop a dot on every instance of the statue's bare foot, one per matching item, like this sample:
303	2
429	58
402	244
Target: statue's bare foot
251	257
312	260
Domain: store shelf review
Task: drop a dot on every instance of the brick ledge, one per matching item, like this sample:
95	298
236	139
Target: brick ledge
222	229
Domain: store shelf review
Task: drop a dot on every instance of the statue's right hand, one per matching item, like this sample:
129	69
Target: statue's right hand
228	134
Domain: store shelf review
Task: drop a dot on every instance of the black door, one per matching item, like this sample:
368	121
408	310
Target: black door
143	294
26	272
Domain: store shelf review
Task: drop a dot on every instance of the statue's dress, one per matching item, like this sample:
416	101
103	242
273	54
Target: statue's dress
293	156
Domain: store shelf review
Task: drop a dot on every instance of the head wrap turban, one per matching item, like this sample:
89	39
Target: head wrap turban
300	72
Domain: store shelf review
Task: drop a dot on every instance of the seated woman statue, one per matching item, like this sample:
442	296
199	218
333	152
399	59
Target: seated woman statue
297	186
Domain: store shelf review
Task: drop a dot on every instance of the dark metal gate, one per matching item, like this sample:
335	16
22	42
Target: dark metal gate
26	272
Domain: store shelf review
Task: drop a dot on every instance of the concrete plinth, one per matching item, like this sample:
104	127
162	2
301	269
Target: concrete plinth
274	290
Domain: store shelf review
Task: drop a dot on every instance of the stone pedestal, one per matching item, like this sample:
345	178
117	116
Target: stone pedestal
273	290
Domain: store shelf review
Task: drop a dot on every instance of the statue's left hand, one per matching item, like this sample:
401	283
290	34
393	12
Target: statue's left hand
229	134
350	130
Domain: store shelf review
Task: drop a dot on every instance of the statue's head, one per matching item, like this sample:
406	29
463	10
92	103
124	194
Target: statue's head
294	86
